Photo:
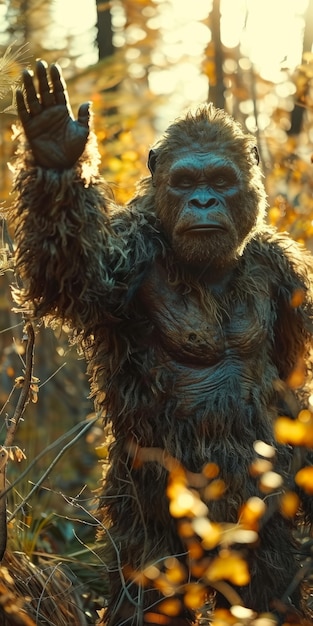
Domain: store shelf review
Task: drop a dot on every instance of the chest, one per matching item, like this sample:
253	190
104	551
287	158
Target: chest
198	325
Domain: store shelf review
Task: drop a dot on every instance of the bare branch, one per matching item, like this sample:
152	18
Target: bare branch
24	395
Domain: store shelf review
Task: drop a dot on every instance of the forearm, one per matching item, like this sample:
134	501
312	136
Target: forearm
61	227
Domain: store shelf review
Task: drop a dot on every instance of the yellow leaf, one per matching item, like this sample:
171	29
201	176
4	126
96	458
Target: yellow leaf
304	478
297	298
223	617
242	613
114	164
185	529
274	215
195	596
237	534
229	566
297	432
297	376
156	618
195	550
164	586
264	449
251	513
289	504
305	416
152	572
215	489
210	470
260	466
170	607
209	532
175	572
270	481
182	502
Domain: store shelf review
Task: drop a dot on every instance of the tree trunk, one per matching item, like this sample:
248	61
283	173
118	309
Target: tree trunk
298	111
104	26
216	90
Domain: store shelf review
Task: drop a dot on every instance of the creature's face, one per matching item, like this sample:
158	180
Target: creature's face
207	210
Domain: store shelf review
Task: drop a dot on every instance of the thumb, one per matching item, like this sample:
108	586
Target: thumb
84	114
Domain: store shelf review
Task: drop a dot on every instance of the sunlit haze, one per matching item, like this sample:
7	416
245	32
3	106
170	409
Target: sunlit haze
269	33
271	36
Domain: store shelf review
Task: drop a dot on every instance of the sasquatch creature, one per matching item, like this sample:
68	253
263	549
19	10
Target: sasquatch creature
184	304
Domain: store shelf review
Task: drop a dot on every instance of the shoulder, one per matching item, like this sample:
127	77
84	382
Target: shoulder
134	245
288	261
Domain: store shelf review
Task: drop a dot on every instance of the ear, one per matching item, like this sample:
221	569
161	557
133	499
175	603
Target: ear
256	154
152	159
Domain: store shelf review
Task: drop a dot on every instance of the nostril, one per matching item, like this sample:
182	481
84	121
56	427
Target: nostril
203	203
211	202
196	203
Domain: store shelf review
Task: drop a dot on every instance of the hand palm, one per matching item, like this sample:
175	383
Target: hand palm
56	139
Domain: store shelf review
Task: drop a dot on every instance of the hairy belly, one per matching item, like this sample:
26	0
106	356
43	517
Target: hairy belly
230	382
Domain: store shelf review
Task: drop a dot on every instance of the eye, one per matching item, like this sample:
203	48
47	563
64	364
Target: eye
185	182
220	181
182	182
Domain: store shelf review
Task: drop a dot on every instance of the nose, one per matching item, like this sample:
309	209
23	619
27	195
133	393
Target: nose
203	200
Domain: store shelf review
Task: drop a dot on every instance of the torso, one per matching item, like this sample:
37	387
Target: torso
209	346
201	376
203	332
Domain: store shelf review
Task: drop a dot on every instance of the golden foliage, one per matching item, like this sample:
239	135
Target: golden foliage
289	503
252	512
209	532
298	432
215	489
195	595
304	478
297	298
298	375
229	565
170	606
270	481
10	67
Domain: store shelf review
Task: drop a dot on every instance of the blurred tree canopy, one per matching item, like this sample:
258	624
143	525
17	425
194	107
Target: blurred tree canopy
141	62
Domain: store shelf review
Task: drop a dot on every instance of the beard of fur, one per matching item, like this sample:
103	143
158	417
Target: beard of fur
215	249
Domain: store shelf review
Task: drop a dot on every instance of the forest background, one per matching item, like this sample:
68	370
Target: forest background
140	62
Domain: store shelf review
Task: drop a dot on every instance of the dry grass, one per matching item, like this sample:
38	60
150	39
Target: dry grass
32	595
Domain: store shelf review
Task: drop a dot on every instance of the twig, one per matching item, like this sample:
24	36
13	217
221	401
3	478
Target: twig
46	450
3	509
24	395
51	466
19	410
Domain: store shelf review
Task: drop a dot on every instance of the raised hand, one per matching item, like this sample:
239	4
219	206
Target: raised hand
56	139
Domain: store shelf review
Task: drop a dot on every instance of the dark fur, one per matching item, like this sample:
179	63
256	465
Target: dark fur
154	337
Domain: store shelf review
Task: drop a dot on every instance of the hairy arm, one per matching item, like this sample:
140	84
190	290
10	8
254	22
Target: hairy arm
61	227
289	267
294	323
77	254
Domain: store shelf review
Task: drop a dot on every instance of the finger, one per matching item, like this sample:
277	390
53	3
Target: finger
59	86
84	114
21	107
31	95
46	95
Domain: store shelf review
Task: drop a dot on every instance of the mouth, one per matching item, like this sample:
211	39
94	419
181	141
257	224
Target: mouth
204	228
